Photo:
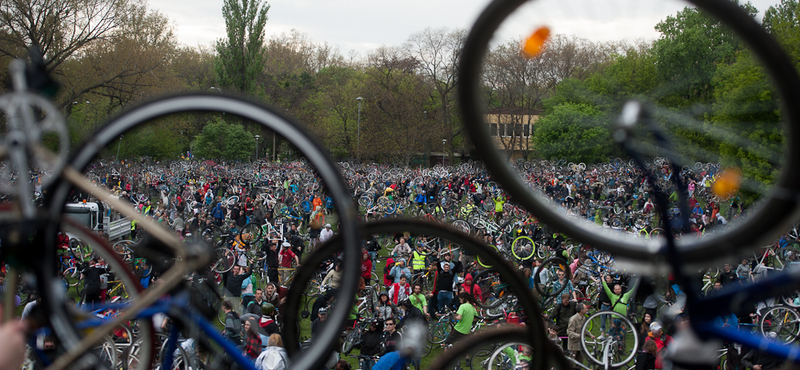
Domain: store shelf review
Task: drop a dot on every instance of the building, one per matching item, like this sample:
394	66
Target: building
511	129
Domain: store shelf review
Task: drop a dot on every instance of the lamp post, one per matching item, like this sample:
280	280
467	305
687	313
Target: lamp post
444	151
181	148
257	137
119	145
358	138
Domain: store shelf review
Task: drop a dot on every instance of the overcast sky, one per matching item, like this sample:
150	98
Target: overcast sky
363	25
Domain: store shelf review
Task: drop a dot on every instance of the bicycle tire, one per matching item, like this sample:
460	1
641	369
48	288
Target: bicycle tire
769	220
523	248
250	234
461	225
788	323
479	359
546	291
626	323
492	292
225	260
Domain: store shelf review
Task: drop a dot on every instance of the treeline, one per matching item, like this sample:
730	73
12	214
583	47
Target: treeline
109	54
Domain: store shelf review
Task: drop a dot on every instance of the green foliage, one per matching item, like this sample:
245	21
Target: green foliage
579	132
221	140
240	56
691	46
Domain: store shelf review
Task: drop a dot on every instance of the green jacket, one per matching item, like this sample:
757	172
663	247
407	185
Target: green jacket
619	303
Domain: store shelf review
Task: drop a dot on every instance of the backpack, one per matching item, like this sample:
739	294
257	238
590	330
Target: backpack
273	358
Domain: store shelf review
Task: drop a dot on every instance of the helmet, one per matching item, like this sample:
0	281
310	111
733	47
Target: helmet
267	309
322	310
404	303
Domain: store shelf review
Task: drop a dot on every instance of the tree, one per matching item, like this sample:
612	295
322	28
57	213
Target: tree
575	131
240	56
692	45
437	52
60	28
220	140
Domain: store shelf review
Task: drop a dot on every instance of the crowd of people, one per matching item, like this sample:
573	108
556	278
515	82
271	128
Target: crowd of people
421	279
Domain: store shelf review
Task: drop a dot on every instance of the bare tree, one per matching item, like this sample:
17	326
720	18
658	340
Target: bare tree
60	28
437	52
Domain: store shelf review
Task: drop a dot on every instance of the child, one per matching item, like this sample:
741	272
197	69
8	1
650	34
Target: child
618	333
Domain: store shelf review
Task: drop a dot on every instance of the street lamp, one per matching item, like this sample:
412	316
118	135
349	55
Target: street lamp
181	148
358	143
257	137
444	151
119	145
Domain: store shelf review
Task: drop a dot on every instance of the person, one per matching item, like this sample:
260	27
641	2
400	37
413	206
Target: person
233	284
727	276
287	257
92	281
248	293
254	306
391	337
387	272
384	309
464	316
400	291
396	360
647	359
418	299
272	257
401	250
605	301
661	340
444	288
400	269
326	234
743	271
617	332
274	356
334	278
644	329
619	301
252	342
366	267
316	325
574	332
563	313
233	325
561	280
12	352
757	359
267	324
467	286
412	315
371	342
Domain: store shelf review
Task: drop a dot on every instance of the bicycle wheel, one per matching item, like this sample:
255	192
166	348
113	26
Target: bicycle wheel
620	348
783	321
461	225
438	332
250	234
494	56
479	360
547	285
141	267
506	356
492	291
523	248
478	258
225	261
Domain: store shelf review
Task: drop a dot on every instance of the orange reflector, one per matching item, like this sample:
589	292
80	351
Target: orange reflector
534	45
728	183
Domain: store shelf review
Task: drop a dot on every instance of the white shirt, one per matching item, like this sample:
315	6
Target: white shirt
325	234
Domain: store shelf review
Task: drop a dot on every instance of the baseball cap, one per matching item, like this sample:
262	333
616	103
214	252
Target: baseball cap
327	225
655	326
322	311
286	244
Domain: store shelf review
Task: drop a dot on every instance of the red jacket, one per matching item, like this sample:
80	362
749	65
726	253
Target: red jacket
661	343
